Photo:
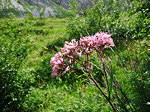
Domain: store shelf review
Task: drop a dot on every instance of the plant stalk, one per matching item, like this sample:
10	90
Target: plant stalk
112	105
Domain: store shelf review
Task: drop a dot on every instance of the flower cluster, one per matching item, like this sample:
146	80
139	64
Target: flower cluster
59	66
85	45
99	40
71	49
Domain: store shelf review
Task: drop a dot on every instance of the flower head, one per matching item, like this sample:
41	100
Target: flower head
58	64
61	61
71	49
104	39
101	39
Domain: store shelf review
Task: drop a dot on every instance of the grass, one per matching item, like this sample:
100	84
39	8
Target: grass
66	98
52	95
49	94
49	29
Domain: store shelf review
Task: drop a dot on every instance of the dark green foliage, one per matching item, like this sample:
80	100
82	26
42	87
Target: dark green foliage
9	12
37	31
129	26
13	50
125	22
39	23
138	65
130	67
43	71
15	45
54	45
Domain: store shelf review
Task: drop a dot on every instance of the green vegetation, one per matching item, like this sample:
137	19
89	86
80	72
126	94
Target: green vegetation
27	44
22	44
129	26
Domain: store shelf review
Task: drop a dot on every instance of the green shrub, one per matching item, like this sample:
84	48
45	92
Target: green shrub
137	63
125	22
129	26
130	67
14	82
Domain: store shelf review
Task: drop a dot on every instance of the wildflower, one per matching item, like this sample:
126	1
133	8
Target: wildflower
87	44
58	64
61	61
104	39
71	49
70	45
67	69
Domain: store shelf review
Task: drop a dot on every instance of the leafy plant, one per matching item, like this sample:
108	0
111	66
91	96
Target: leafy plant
125	22
13	50
78	53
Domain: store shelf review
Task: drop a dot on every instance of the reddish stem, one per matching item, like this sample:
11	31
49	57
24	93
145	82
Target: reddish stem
112	105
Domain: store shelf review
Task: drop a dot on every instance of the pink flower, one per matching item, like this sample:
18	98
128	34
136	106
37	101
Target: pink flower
70	45
87	41
79	54
56	59
104	39
58	64
67	69
87	44
61	61
54	73
101	39
71	49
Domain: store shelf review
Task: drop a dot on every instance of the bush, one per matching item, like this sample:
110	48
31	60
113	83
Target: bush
125	22
14	82
137	63
130	67
129	27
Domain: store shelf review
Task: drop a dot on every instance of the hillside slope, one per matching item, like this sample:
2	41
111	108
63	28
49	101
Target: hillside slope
37	8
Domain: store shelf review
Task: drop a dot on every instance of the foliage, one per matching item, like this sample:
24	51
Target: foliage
26	84
20	41
63	97
16	45
14	49
9	12
134	73
125	22
129	26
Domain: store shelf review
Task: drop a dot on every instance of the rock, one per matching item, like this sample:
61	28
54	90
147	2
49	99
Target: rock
38	7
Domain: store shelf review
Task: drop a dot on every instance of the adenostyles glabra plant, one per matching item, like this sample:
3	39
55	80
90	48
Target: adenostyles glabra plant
72	53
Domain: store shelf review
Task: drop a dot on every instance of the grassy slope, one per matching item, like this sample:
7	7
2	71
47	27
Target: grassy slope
41	31
49	97
45	96
54	29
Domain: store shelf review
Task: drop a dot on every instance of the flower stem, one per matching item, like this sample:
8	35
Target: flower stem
98	86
